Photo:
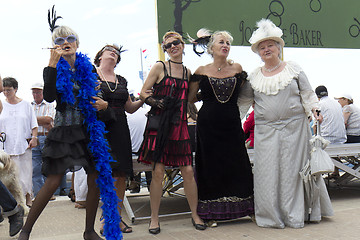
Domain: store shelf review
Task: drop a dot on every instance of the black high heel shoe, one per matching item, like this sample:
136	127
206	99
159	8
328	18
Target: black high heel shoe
198	226
154	230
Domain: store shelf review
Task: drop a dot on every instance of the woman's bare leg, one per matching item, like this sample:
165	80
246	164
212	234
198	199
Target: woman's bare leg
92	203
190	189
120	185
156	193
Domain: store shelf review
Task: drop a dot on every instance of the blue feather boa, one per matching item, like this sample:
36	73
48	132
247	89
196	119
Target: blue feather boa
98	145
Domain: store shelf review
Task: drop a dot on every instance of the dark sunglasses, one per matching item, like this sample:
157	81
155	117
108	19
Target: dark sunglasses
175	43
111	49
61	40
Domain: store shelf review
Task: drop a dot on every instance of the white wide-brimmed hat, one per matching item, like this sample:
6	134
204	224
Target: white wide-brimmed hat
267	30
345	95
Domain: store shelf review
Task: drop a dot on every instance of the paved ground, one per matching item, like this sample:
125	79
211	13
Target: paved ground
61	221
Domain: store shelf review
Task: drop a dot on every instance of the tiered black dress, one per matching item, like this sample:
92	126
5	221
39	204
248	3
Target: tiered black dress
114	117
66	144
223	170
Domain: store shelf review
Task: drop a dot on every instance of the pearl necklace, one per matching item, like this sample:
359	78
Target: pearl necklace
103	77
274	68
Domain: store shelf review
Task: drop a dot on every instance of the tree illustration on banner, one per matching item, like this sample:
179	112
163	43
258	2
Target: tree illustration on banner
180	6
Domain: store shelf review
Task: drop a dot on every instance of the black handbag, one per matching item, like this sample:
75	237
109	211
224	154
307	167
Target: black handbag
153	122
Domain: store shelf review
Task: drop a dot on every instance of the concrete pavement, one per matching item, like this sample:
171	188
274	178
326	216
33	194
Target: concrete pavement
62	221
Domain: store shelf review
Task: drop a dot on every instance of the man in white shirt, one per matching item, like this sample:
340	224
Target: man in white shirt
332	126
45	113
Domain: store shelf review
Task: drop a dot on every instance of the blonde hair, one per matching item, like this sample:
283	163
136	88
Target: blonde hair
171	34
225	34
64	31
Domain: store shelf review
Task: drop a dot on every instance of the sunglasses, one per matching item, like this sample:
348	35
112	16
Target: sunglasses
112	49
61	40
175	43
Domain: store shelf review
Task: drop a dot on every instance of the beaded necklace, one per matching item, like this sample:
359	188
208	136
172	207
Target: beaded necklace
103	77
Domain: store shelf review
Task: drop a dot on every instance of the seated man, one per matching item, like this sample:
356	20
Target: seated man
332	126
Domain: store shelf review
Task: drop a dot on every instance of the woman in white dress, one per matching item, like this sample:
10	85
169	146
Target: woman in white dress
19	123
283	98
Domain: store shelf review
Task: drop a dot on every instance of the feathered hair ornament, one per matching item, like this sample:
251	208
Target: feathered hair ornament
52	18
120	48
202	41
267	30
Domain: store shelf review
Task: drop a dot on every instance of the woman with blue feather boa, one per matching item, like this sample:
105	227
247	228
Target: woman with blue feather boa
77	138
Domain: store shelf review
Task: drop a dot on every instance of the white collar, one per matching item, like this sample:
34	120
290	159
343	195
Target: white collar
272	85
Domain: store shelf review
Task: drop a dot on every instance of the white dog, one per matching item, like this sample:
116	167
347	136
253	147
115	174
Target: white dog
9	177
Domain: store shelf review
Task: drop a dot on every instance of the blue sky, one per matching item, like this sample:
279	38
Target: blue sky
132	23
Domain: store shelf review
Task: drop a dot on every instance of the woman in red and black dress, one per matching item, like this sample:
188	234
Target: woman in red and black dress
169	145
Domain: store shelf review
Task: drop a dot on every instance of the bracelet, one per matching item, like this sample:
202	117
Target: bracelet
34	137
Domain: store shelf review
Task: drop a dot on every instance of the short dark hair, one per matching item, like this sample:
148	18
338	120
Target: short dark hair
10	82
321	91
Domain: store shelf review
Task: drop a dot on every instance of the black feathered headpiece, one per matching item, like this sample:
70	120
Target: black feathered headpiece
52	19
202	41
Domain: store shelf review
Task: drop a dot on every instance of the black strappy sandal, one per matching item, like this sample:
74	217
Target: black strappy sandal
126	229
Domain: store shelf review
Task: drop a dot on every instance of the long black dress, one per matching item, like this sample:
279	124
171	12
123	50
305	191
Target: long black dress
114	117
223	170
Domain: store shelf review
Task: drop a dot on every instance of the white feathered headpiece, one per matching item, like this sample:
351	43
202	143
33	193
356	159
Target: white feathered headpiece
266	30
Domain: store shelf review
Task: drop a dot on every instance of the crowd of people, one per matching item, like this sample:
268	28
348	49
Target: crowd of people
223	184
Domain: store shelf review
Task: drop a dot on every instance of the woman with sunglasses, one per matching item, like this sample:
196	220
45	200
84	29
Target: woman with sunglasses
223	169
169	144
112	106
67	79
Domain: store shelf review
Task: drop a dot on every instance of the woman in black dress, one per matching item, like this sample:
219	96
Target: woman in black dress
223	170
112	105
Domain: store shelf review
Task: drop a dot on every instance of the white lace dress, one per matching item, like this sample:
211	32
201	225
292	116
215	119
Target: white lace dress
282	134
